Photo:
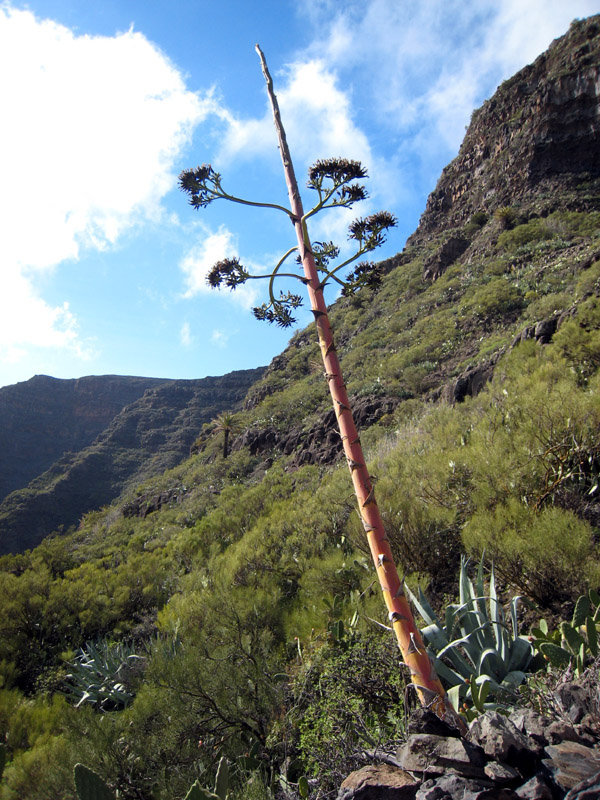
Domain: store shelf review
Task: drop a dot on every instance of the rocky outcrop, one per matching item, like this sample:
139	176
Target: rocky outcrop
524	756
148	503
538	135
472	380
319	444
149	435
448	253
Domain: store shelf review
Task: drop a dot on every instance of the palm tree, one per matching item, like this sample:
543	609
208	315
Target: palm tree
226	424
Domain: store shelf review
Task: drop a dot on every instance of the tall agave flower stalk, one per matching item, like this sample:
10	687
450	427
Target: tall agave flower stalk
204	185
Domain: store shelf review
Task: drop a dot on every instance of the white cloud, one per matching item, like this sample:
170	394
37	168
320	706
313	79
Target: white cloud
199	260
220	338
91	128
40	327
318	119
317	116
185	335
435	60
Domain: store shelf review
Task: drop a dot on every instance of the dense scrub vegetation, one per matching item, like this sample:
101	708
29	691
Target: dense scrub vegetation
249	599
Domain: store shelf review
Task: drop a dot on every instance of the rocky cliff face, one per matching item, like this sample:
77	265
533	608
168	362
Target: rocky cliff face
535	141
110	445
43	418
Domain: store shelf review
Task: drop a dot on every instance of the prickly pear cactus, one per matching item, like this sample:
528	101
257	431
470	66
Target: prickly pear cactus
89	784
198	792
222	779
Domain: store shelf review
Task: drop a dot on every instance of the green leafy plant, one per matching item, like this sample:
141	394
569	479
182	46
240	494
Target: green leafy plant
226	424
101	674
345	697
221	791
536	230
474	650
506	216
573	644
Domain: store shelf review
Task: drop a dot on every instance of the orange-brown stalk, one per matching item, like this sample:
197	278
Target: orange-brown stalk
423	675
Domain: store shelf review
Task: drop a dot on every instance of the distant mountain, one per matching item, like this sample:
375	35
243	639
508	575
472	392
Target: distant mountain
67	447
43	418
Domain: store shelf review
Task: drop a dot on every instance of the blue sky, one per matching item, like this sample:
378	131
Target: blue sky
102	262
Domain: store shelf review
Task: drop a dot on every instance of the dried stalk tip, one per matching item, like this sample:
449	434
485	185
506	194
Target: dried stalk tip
228	271
338	170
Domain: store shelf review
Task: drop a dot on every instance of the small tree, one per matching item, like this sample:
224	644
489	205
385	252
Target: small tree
336	182
226	424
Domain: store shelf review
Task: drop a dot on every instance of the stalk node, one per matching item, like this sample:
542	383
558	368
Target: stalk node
370	498
414	646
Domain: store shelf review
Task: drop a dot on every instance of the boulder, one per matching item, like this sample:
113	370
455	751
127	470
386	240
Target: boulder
535	788
499	738
424	721
455	787
588	789
378	782
571	763
430	755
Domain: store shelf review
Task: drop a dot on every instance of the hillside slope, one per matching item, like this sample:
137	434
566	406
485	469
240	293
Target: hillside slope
44	417
241	585
147	435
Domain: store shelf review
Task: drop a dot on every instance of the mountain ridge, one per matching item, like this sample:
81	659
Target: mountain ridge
33	413
152	431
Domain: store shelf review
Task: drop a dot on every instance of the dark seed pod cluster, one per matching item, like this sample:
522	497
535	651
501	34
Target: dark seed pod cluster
200	184
229	271
366	274
370	231
338	170
280	310
335	179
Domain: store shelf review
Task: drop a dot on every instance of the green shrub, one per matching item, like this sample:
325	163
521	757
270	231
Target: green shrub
347	696
506	216
568	224
578	340
548	554
494	299
536	230
479	218
589	281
